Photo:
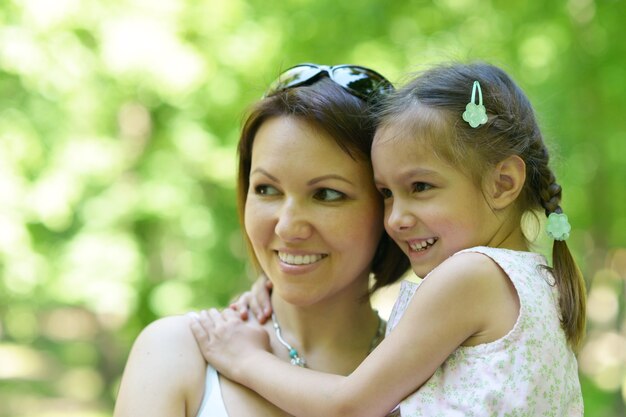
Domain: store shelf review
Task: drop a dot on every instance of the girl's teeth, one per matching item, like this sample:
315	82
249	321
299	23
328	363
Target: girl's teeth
299	259
423	245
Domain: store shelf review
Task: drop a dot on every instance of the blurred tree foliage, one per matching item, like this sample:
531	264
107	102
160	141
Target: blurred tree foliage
118	124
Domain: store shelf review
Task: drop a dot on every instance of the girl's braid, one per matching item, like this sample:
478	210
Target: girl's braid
543	179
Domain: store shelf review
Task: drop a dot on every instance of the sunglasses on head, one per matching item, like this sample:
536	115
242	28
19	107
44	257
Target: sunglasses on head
361	82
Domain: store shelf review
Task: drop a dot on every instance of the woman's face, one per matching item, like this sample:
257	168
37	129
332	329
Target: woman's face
312	214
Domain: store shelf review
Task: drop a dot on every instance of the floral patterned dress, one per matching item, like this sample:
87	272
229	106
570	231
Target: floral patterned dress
531	371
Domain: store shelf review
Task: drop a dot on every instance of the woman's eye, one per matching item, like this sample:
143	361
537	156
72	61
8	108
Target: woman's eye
327	194
265	190
385	192
421	187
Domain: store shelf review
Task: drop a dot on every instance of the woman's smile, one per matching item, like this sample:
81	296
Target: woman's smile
300	259
308	203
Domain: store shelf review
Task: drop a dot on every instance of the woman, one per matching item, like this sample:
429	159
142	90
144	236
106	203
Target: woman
314	221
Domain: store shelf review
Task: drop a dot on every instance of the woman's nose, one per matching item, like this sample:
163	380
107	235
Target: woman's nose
293	223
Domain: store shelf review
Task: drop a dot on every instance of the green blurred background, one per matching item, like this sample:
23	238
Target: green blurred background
118	124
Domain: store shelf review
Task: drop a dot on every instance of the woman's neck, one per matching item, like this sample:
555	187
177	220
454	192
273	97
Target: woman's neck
334	334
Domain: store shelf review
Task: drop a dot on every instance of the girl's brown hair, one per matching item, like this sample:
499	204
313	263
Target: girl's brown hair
345	118
434	102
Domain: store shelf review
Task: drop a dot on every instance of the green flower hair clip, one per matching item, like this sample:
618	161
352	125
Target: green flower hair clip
475	114
558	228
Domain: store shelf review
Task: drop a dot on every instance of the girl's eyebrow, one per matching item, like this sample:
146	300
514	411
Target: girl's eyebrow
416	172
407	175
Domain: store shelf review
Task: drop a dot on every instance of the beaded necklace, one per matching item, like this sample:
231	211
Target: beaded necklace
295	357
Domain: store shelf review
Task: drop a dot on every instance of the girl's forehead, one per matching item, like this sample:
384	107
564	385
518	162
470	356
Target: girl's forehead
419	127
395	150
416	121
397	135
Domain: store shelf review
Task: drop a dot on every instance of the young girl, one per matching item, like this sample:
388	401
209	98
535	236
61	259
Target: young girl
490	330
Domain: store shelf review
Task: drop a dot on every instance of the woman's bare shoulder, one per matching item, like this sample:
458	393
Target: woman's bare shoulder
176	327
169	344
165	369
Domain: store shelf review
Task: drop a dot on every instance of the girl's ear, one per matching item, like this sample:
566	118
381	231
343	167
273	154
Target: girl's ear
509	176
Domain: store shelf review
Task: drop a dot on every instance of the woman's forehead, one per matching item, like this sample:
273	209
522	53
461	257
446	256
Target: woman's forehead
299	144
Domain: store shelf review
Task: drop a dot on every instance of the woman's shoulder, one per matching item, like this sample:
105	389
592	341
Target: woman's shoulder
170	342
172	327
166	335
165	369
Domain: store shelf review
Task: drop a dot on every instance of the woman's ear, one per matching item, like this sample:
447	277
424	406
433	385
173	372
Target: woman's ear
509	176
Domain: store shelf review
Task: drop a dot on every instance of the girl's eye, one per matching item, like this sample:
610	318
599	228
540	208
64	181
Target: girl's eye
385	192
265	190
327	194
421	187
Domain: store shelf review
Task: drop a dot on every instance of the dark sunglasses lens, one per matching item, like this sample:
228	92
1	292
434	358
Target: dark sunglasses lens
292	77
362	81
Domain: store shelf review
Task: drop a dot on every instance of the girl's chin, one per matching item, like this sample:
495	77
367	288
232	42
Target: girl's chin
420	269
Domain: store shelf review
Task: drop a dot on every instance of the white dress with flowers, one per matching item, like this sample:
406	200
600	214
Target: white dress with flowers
531	371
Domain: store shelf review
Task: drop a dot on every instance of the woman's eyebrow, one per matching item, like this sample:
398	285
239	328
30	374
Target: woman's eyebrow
310	182
264	172
329	176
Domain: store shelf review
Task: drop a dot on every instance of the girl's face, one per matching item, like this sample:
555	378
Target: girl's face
312	213
432	209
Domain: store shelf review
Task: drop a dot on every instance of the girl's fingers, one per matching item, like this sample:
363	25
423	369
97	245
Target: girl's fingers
229	314
207	321
267	302
241	305
215	316
198	330
260	304
256	308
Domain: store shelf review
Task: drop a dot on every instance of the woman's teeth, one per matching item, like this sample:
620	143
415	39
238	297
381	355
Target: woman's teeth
423	245
299	259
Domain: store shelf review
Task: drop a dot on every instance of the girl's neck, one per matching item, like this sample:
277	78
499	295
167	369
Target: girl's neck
514	242
509	236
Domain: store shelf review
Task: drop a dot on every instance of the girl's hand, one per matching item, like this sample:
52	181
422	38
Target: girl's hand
225	340
256	301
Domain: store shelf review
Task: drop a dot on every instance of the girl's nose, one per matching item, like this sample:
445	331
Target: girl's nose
292	224
399	217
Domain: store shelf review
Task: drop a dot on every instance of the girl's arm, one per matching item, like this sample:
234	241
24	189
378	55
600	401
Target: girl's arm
452	305
163	372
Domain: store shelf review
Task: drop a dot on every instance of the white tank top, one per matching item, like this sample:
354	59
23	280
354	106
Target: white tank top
212	401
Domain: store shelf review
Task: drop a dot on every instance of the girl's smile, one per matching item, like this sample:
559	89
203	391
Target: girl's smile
432	209
421	245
